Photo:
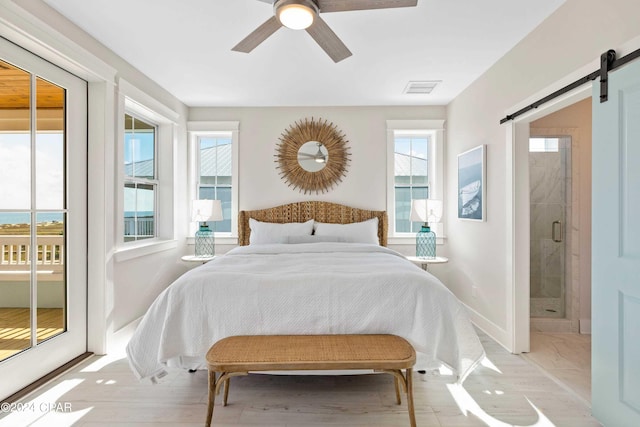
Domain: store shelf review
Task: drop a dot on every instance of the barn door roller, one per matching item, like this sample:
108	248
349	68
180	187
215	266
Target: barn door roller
606	61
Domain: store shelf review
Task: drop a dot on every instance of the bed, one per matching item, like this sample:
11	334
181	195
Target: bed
326	286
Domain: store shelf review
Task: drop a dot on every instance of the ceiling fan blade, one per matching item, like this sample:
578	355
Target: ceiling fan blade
328	41
259	35
346	5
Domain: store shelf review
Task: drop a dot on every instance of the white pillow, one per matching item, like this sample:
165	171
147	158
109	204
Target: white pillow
358	232
312	239
270	232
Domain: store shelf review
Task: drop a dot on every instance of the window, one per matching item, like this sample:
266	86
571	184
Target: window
414	170
214	169
411	176
214	174
147	139
140	180
544	145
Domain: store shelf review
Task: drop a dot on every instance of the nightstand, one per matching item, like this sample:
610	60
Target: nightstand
197	259
424	263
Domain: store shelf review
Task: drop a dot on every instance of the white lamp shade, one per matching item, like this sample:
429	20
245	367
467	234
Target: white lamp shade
426	210
206	210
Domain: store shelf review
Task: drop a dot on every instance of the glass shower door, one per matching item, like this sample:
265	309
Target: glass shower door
549	162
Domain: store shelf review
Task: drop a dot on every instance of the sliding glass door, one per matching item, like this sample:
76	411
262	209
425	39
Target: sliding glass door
43	117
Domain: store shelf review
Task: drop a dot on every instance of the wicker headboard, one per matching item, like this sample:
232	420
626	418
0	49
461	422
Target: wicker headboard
304	211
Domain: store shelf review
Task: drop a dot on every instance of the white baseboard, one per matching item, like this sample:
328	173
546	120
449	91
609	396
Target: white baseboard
499	335
585	326
121	337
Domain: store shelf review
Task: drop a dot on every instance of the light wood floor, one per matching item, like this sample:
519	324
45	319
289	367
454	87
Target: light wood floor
15	329
508	391
566	357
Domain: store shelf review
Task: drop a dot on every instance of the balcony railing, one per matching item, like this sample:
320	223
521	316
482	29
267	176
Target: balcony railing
139	228
15	258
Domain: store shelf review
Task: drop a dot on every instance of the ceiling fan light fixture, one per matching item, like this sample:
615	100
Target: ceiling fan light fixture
296	15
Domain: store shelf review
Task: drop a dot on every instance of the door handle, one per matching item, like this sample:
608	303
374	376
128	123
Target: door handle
556	231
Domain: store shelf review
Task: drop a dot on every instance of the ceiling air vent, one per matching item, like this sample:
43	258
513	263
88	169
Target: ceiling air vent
421	87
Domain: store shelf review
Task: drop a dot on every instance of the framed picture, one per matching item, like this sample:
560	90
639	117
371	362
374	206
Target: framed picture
471	184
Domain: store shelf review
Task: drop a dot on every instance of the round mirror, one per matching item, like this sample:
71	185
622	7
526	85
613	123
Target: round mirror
313	156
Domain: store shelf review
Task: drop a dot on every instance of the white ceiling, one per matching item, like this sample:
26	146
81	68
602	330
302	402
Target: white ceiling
185	46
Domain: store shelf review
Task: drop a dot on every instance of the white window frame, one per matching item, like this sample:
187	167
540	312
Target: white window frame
435	129
196	130
137	103
148	181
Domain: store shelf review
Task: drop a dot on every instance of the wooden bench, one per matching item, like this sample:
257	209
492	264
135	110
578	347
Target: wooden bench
238	355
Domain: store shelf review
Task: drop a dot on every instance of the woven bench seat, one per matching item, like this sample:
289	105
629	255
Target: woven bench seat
238	355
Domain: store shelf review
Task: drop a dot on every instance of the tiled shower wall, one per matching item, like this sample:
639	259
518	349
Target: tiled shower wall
550	196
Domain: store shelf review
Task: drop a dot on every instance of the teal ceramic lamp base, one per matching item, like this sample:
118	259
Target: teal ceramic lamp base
205	244
426	243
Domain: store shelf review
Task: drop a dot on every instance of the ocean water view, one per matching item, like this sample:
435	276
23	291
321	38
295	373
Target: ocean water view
24	217
139	214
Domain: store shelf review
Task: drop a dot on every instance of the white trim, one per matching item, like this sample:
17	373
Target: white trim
195	130
219	240
145	105
498	334
122	336
20	23
132	100
437	124
101	220
434	128
212	126
517	132
28	31
518	221
17	372
137	249
585	326
410	239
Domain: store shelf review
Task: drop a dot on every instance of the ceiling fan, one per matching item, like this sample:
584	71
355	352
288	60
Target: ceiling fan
318	157
305	15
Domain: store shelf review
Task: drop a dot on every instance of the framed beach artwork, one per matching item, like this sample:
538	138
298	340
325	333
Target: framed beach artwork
471	184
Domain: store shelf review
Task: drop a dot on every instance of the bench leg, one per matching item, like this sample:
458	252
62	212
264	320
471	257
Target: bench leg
399	381
212	397
227	383
406	381
412	415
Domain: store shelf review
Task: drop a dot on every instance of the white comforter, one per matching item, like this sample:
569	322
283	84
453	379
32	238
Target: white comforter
317	288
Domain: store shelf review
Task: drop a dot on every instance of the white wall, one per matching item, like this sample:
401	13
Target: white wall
365	129
572	38
127	288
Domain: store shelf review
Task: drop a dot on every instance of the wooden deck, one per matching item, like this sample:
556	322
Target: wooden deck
15	331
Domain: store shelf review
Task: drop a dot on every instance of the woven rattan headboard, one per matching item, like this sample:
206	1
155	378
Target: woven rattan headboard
304	211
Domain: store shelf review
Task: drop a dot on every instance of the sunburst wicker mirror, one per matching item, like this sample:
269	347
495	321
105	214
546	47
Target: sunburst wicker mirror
312	155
